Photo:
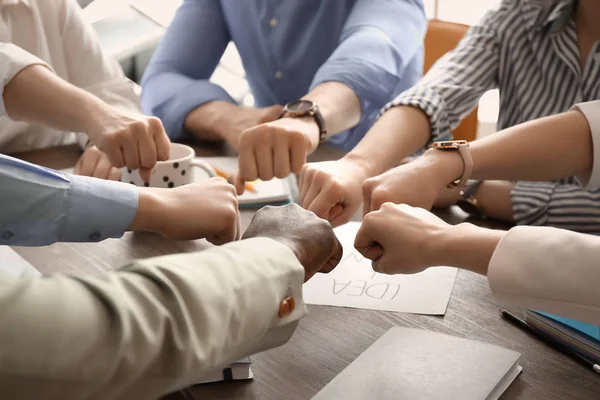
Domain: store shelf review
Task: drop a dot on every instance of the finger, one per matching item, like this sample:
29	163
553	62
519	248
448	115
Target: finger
336	257
311	194
88	163
366	242
161	140
114	174
298	155
77	168
281	157
382	265
263	154
306	181
247	160
239	183
146	147
145	174
102	169
342	217
366	189
323	204
130	152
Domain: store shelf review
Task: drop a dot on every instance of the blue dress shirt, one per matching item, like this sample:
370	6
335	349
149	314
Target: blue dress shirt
287	48
40	206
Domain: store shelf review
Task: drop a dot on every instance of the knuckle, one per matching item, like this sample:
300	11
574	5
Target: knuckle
369	185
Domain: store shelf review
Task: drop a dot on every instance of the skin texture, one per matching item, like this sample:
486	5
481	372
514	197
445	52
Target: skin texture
311	238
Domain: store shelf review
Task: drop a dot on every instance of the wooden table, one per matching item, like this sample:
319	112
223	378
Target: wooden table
330	338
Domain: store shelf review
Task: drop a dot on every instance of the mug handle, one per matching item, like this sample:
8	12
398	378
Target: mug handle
210	171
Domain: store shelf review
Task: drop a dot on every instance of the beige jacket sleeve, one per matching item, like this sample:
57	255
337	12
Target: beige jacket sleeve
591	111
151	328
548	269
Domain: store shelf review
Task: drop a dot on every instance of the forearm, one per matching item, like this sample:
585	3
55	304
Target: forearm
212	121
338	104
545	149
466	246
400	132
37	95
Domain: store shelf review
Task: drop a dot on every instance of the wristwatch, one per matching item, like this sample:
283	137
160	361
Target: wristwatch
462	146
303	108
469	203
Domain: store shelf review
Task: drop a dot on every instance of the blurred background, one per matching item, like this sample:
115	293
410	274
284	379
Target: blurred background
130	30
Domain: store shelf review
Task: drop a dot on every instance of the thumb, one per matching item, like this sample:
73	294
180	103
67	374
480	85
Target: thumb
238	182
271	113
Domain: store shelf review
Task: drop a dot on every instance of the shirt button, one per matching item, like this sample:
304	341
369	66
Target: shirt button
273	22
95	236
278	75
7	235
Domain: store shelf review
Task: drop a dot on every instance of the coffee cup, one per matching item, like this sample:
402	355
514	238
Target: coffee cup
180	169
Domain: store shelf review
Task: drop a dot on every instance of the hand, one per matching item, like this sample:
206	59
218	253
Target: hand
400	239
134	141
417	183
96	164
208	209
245	118
275	149
311	238
332	189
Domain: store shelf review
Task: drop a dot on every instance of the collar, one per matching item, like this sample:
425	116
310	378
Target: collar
559	16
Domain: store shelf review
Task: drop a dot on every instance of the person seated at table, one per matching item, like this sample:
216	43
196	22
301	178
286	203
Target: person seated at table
341	60
542	268
541	55
54	33
159	325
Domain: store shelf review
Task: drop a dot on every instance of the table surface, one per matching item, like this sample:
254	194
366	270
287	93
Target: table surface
330	338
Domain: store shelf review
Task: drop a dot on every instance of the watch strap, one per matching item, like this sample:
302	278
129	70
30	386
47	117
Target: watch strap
465	153
320	121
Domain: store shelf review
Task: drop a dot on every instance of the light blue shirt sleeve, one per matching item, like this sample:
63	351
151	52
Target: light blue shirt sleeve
379	41
177	79
40	206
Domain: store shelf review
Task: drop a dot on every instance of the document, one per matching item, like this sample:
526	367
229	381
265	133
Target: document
354	284
14	264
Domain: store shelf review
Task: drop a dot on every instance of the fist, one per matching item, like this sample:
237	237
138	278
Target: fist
134	141
96	164
311	238
398	239
332	190
275	149
208	209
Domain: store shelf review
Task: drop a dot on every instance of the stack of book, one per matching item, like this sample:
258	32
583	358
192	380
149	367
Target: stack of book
239	370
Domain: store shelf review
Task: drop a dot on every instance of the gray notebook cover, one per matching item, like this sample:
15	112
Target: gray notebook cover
417	364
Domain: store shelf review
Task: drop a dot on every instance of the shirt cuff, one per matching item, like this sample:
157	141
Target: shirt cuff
432	104
591	111
174	112
98	209
13	60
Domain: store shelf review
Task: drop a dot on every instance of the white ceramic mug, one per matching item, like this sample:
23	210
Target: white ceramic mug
179	170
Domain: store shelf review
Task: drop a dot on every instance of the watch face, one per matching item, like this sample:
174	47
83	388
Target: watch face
300	106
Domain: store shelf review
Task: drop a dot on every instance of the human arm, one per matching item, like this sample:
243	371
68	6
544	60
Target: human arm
378	41
44	206
33	93
162	324
428	111
542	268
528	151
176	82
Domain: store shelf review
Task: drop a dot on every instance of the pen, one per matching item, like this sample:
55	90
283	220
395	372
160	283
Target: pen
227	176
518	322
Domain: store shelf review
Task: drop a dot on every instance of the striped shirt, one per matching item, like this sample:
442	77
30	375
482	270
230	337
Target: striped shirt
529	52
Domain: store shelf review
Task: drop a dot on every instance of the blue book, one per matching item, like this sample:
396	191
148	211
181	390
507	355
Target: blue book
588	329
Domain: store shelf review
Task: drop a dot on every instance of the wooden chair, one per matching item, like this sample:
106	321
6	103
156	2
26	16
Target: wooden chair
442	37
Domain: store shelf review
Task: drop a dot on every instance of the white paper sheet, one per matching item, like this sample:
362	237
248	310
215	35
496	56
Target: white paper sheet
354	284
14	264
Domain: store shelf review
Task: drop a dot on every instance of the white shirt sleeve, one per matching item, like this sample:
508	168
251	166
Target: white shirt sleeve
591	111
548	269
13	60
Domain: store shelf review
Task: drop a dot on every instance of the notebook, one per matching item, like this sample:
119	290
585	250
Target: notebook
239	370
273	192
12	263
413	364
160	11
582	338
